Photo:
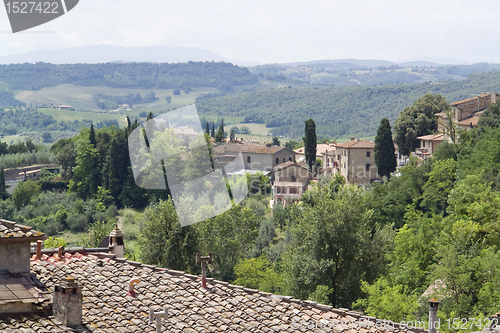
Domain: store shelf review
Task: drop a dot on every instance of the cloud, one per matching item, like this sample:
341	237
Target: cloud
279	31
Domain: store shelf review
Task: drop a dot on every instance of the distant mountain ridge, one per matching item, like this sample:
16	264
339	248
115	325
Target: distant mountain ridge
109	53
372	63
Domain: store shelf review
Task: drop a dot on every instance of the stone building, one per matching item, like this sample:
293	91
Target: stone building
290	181
255	156
355	160
466	112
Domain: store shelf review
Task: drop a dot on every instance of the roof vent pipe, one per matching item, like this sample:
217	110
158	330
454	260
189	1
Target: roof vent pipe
434	323
132	282
158	316
203	261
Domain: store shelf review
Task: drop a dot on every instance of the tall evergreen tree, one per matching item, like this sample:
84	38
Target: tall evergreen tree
129	124
219	137
150	116
207	128
385	157
3	188
115	185
212	134
92	135
310	140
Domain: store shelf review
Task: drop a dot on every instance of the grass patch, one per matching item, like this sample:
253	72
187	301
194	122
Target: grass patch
80	97
96	117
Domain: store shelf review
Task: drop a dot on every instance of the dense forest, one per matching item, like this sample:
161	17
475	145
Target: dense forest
220	75
340	111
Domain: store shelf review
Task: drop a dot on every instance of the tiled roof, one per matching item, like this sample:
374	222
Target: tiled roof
11	230
357	144
432	137
471	99
220	308
24	289
320	149
248	148
467	122
287	164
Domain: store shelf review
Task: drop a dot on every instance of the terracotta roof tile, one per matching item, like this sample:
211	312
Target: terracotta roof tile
12	230
357	144
221	308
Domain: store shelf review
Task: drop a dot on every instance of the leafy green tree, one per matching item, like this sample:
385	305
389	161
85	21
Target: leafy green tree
165	243
54	242
24	192
168	99
229	236
385	157
276	141
258	273
46	137
490	117
418	120
441	180
332	245
84	177
310	142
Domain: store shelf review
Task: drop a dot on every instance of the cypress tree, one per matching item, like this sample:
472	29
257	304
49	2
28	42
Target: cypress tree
114	181
310	140
385	157
3	188
207	128
92	135
129	124
212	134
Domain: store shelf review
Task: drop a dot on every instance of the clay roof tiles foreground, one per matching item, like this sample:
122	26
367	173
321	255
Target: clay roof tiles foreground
12	230
220	308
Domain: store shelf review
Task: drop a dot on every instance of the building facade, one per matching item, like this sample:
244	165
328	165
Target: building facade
355	160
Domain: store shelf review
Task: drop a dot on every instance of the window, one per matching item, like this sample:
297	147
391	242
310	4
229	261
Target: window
277	160
278	189
344	165
338	157
292	190
294	179
367	154
368	167
284	160
290	159
423	143
248	159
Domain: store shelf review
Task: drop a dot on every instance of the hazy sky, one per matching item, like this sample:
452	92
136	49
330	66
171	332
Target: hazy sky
276	30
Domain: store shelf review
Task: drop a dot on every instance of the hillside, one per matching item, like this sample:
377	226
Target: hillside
339	111
219	75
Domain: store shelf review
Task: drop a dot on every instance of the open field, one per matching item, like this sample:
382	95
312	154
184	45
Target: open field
80	97
13	138
68	115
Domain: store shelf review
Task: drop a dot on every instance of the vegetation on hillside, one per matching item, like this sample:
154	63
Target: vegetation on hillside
340	111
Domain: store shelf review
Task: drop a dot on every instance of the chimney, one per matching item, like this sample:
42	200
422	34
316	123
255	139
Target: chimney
203	262
433	319
353	138
116	242
67	301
